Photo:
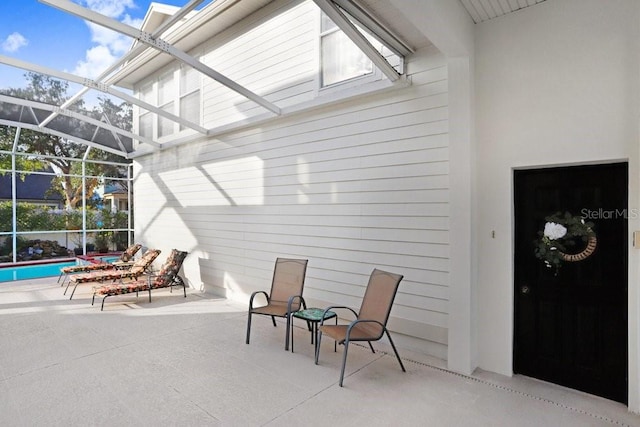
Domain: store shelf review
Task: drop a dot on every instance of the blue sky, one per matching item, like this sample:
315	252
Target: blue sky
41	34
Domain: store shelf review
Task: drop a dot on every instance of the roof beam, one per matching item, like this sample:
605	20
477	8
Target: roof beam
15	143
62	135
75	115
135	51
115	134
98	86
336	15
161	45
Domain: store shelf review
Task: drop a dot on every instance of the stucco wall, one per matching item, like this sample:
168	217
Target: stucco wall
557	84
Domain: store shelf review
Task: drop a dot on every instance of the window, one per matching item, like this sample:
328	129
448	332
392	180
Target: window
123	205
341	59
189	94
176	92
166	93
145	120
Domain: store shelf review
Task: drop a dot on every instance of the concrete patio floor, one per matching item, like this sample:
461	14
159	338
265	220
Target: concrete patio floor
184	362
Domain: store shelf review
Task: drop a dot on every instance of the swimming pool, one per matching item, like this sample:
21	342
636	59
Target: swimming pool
109	258
35	271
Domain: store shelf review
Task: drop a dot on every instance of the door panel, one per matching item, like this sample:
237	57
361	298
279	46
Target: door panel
571	327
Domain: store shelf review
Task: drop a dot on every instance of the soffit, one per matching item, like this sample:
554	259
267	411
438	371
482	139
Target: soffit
484	10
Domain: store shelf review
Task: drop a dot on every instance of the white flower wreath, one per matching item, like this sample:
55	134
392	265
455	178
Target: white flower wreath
560	234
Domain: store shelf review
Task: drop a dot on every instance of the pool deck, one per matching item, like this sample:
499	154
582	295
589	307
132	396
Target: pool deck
183	361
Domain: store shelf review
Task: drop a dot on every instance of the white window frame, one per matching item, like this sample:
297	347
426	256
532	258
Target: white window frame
187	92
173	99
143	113
168	104
373	76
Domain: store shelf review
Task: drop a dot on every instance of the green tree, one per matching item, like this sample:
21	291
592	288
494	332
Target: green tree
63	151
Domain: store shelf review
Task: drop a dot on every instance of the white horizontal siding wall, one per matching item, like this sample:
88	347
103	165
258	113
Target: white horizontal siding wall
351	187
272	53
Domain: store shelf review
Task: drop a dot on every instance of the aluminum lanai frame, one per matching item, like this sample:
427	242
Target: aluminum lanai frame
334	8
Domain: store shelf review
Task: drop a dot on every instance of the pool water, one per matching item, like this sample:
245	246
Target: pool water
9	274
108	259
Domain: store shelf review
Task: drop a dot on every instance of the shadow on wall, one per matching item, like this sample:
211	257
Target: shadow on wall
207	276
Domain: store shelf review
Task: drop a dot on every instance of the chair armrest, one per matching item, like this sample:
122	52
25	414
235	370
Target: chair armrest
122	265
355	322
253	295
292	299
333	308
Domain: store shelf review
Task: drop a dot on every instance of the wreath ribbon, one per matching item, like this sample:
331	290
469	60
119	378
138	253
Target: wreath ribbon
591	247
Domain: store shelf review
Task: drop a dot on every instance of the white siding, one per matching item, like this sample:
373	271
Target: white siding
351	188
354	186
271	53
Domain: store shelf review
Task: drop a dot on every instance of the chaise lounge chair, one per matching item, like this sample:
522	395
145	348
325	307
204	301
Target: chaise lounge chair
139	268
286	294
167	277
371	321
123	261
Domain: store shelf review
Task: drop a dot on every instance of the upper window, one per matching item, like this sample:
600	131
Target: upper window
341	59
166	95
176	92
189	94
145	119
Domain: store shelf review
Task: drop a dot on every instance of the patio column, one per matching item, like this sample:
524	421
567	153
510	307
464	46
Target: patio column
450	28
462	345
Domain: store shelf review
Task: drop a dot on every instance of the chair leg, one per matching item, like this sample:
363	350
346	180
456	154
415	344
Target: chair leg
395	351
292	335
273	319
248	327
286	339
74	291
318	342
371	347
344	360
65	289
149	294
180	281
102	306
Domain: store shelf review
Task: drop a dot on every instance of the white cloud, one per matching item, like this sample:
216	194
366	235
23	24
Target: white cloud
97	59
110	45
14	42
110	8
131	21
